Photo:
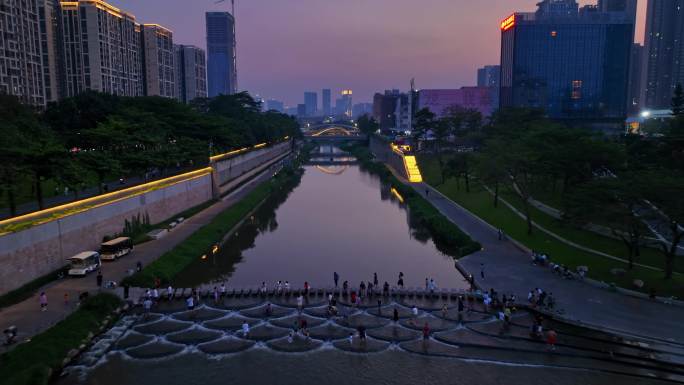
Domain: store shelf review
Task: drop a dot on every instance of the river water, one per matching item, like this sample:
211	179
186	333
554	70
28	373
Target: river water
339	218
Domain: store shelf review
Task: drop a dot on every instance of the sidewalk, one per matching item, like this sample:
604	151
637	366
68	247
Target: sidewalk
30	320
508	269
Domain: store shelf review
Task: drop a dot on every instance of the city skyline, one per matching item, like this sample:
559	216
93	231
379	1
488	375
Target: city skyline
394	53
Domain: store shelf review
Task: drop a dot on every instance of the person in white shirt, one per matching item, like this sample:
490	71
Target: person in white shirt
169	292
223	289
300	303
155	294
190	302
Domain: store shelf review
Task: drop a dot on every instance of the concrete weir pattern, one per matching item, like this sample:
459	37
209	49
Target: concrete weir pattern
214	328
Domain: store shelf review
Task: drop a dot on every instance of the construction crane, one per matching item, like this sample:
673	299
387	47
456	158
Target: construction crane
232	5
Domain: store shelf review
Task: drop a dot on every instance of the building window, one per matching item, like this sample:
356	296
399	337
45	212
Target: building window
576	89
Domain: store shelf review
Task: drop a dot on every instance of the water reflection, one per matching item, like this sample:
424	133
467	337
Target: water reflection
331	221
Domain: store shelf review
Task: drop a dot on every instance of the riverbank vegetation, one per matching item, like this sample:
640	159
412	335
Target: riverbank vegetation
202	242
86	144
35	362
606	193
448	238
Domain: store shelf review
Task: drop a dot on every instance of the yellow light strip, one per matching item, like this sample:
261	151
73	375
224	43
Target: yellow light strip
396	194
108	197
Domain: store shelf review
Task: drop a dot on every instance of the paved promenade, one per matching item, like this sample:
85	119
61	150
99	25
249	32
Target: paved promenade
30	320
509	270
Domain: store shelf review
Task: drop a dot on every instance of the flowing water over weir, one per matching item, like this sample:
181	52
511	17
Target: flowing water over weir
342	219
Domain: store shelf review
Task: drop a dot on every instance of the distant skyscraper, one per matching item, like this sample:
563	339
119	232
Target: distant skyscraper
346	100
326	96
572	63
490	77
158	61
311	103
221	59
385	108
359	109
301	110
191	73
21	64
94	60
663	51
274	105
635	76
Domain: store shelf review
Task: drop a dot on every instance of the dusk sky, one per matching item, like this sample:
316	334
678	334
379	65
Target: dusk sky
286	47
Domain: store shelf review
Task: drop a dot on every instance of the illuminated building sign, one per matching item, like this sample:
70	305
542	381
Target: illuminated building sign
508	23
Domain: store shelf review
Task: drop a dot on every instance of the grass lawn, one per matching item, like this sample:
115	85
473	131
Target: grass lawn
480	202
31	363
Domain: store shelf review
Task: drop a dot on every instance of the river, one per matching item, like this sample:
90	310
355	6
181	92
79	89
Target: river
339	218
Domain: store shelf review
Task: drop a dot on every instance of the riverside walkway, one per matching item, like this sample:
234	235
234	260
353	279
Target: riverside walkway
30	321
245	319
508	269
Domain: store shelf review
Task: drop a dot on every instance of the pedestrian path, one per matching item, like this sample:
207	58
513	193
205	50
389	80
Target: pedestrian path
30	320
507	267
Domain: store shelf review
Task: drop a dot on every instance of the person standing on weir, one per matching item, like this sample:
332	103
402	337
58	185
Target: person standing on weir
336	278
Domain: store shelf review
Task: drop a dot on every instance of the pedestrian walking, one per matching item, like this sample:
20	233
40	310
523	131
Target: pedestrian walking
426	284
500	234
43	301
169	293
395	315
551	338
375	279
380	307
99	279
427	193
336	278
223	289
426	332
300	303
482	271
345	286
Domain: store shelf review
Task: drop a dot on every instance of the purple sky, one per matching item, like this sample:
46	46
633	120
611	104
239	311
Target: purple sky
286	47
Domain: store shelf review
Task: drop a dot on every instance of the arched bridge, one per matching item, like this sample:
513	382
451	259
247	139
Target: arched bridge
334	133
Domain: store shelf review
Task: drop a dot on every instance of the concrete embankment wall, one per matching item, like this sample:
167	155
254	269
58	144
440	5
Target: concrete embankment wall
381	148
38	250
229	170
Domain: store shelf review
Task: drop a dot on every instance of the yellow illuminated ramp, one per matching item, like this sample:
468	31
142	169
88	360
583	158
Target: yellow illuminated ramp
412	170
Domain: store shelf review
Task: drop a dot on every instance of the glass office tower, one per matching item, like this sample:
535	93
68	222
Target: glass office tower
573	63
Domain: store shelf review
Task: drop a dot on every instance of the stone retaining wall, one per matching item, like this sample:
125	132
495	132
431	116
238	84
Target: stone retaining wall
36	251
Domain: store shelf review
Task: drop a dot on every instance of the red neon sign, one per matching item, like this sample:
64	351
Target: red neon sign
508	23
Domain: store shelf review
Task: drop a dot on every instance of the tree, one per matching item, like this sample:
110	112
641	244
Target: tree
367	125
459	166
491	167
613	203
424	121
666	212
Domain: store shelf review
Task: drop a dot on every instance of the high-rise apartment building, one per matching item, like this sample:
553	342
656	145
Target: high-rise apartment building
221	59
490	77
50	37
311	103
21	56
102	49
571	62
158	61
191	73
326	96
663	66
